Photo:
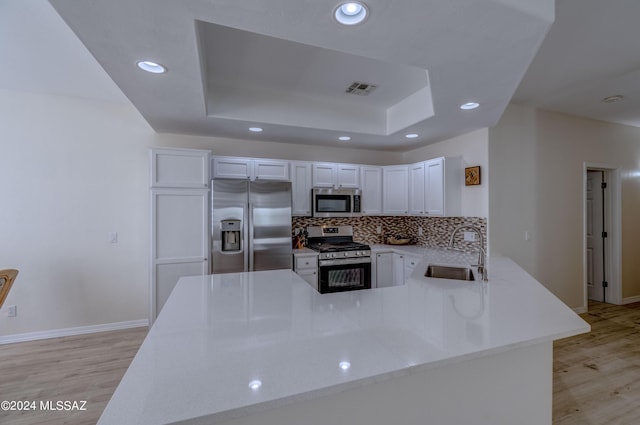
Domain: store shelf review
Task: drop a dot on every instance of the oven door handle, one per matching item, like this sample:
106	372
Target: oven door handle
344	261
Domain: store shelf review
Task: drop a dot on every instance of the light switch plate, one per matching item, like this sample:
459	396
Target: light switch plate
469	236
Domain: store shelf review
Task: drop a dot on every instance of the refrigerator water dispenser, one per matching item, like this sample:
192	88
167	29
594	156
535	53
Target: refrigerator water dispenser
230	235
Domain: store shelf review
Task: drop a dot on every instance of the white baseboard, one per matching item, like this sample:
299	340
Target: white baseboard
56	333
580	310
630	300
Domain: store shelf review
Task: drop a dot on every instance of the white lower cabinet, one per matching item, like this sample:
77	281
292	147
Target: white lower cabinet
398	269
389	269
393	268
410	263
384	270
305	264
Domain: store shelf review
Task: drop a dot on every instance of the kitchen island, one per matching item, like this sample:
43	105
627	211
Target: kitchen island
265	348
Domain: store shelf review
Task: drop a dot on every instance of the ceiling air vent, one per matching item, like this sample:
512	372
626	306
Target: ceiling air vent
361	89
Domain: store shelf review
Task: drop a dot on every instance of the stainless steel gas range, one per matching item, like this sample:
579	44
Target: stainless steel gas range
343	265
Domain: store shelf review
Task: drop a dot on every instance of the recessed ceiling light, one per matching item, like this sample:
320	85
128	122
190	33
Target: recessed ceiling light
255	129
613	99
152	67
469	105
254	385
351	13
344	138
411	135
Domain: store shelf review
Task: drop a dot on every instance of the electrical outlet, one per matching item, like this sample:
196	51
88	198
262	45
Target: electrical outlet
113	238
469	236
420	231
379	229
12	311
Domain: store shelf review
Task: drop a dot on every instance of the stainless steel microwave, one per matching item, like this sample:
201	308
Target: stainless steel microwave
335	202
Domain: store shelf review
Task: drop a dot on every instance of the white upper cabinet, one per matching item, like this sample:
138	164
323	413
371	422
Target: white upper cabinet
432	187
301	188
250	168
435	186
395	195
348	176
232	168
187	168
417	189
337	176
371	179
444	180
324	174
271	169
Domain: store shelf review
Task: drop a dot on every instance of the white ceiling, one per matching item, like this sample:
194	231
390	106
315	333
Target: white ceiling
284	64
591	52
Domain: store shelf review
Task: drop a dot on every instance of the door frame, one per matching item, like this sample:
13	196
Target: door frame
613	222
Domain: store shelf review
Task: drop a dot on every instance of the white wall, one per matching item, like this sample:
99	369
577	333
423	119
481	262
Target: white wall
474	149
71	172
260	149
536	185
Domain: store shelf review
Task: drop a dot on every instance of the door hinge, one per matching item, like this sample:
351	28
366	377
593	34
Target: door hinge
605	284
604	234
603	185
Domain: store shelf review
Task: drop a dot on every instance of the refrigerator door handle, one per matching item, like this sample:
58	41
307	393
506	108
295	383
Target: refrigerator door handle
251	239
245	238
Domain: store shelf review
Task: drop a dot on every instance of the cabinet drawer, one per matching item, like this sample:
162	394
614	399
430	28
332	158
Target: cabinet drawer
306	262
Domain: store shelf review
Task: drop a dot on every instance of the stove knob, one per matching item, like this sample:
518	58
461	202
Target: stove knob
360	253
346	254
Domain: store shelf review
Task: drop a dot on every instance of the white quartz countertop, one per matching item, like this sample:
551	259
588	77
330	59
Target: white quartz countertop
218	333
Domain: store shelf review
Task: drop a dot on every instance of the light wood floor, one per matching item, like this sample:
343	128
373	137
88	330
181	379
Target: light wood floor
75	368
596	376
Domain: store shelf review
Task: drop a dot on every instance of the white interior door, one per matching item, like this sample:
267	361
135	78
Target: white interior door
594	229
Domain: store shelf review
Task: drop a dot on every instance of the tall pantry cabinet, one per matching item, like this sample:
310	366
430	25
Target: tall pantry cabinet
179	220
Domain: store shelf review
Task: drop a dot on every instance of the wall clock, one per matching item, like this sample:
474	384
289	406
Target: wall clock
472	176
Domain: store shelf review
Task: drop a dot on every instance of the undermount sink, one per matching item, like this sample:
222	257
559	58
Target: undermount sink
450	272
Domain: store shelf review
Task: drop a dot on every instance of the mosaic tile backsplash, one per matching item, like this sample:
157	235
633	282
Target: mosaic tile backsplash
436	230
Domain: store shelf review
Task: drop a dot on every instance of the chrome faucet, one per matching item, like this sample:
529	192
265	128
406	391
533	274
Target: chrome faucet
482	254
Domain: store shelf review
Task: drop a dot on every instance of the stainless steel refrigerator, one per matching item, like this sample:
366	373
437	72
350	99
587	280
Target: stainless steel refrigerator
251	225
